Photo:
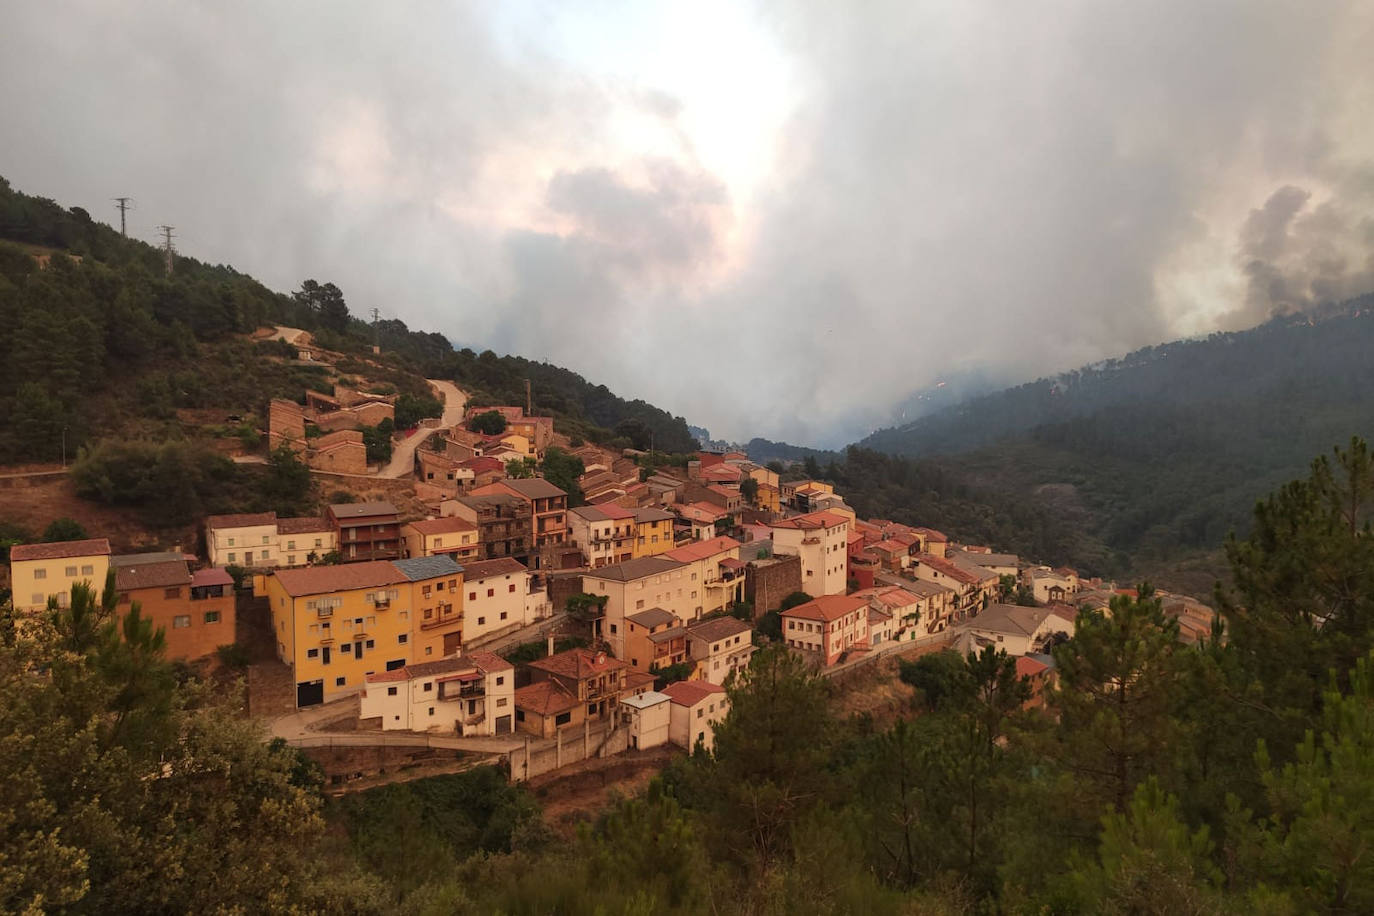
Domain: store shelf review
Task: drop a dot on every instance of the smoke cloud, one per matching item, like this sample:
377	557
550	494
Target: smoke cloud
777	221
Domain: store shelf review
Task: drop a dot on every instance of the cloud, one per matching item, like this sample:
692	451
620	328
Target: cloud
990	189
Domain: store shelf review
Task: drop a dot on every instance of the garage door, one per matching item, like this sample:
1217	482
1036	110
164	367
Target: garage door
309	693
503	725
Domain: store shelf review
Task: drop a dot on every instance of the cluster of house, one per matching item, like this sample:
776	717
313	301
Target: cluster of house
482	694
194	606
404	611
325	431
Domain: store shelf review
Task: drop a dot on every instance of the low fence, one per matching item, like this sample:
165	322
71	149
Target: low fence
896	648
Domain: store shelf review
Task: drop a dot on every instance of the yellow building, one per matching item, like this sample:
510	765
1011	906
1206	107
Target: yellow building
334	625
41	571
769	498
520	444
436	597
653	532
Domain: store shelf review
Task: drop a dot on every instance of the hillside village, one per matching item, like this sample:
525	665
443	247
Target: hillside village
486	610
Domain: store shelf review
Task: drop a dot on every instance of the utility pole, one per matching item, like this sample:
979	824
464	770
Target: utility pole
167	245
529	400
376	334
123	204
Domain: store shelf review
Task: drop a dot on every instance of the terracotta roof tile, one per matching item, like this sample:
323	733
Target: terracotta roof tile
544	698
690	693
91	547
242	520
319	580
826	608
475	570
578	663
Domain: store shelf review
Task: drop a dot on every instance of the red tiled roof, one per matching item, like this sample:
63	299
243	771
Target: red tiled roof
215	575
578	663
826	608
320	580
474	570
1029	667
700	550
302	525
242	520
443	525
942	565
166	574
690	693
545	698
822	519
91	547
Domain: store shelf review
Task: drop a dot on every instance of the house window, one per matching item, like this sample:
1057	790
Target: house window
500	679
481	621
346	648
265	539
172	593
563	718
613	628
231	542
391	691
88	570
431	710
403	638
40	574
504	615
500	702
212	616
290	559
491	592
312	653
71	570
340	681
472	596
181	621
429	687
317	543
700	712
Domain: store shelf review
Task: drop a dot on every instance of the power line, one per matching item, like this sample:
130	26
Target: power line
123	204
167	245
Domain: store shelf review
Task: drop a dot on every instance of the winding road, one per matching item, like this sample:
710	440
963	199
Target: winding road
402	463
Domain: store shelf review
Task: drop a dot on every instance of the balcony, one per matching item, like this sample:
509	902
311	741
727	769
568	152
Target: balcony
443	621
325	611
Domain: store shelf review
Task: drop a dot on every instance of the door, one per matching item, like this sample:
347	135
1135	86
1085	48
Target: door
326	653
357	650
309	693
503	726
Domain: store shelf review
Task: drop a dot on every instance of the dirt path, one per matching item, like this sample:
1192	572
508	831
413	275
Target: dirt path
402	463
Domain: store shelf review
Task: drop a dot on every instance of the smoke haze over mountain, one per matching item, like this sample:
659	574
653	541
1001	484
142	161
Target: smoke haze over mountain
776	220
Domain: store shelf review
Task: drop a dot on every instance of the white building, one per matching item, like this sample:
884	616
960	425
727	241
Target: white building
647	716
260	540
471	694
1019	630
821	539
496	596
696	708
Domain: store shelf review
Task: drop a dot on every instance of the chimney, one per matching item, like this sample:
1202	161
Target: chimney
550	643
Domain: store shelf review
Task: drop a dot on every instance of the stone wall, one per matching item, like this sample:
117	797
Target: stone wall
767	582
342	452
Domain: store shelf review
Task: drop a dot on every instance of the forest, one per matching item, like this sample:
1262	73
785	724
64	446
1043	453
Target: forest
1151	776
102	341
1131	467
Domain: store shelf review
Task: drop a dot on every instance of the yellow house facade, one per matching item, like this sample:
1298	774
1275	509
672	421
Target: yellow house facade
653	532
334	625
42	571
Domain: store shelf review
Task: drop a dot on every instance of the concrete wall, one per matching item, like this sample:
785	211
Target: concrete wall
573	743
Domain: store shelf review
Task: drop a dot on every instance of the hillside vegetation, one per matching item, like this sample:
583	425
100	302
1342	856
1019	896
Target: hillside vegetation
1143	464
102	342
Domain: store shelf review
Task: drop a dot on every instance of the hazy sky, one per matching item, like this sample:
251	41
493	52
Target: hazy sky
774	219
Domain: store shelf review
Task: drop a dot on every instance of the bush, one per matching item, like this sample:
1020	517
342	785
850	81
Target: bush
64	529
233	655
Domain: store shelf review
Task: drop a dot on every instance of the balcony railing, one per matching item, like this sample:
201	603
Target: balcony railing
434	622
